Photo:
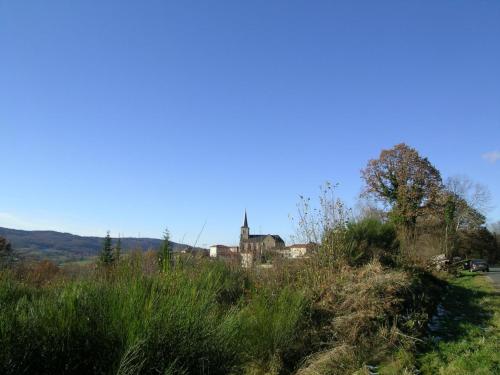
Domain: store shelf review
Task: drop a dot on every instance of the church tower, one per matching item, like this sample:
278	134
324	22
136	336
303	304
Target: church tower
245	230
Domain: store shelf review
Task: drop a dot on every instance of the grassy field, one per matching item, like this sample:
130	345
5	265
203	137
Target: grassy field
466	339
464	335
205	317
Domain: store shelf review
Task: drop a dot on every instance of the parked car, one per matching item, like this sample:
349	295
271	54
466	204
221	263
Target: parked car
479	265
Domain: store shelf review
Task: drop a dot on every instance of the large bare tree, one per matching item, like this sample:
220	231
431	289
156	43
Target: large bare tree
466	204
405	181
471	201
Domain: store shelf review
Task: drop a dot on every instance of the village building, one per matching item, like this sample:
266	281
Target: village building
297	250
258	244
254	247
222	250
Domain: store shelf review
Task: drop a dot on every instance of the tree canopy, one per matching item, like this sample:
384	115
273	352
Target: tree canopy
405	181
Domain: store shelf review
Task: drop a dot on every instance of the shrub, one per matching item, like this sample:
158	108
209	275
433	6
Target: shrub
371	239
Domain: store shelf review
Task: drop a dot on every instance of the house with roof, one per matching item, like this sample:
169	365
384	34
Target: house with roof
222	250
298	250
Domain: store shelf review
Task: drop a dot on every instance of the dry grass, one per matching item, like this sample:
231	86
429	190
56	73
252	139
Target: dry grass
301	317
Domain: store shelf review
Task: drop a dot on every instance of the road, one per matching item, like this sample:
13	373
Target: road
494	275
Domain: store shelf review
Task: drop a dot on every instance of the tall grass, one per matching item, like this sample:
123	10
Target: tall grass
203	317
127	322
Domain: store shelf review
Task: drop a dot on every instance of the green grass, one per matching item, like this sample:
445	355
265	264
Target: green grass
466	339
469	333
129	323
204	317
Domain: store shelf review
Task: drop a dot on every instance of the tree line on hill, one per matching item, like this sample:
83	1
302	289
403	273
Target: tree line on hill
110	255
32	246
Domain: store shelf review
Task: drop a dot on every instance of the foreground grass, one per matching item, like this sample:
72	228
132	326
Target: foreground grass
131	323
464	335
206	318
467	340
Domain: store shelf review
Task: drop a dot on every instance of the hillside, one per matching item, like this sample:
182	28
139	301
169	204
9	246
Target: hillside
63	247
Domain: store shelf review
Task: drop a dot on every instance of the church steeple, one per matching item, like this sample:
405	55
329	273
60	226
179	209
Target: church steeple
245	223
245	230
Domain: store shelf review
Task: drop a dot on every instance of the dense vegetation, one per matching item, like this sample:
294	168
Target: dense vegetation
203	317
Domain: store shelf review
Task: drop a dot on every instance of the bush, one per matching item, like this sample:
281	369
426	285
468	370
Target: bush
372	239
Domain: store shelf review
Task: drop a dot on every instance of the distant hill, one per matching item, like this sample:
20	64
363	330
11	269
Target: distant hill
63	247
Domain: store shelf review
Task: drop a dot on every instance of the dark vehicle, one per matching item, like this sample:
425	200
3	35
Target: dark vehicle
477	265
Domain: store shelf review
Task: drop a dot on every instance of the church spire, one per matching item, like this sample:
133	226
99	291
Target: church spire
245	223
245	231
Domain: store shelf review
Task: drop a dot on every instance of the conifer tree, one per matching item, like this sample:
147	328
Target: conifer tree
106	256
165	255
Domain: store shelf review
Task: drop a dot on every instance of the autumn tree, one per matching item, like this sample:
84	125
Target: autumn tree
106	256
406	182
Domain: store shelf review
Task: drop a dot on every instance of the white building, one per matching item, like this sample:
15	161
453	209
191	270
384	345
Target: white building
222	250
297	250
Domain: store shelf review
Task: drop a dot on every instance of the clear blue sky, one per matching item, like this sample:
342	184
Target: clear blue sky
136	115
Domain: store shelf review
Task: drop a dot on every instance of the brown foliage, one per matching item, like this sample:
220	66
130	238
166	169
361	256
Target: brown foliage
39	273
403	179
408	183
361	313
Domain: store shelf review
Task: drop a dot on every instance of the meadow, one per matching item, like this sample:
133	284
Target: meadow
207	317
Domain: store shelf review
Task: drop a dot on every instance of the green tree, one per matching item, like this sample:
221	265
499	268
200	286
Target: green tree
165	256
106	256
372	238
408	183
478	243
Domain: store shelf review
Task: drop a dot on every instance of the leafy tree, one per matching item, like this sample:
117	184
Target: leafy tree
478	243
165	256
106	256
405	181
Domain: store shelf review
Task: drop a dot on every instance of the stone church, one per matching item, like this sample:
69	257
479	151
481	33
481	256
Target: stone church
256	244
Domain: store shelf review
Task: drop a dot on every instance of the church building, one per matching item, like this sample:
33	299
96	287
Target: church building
256	244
